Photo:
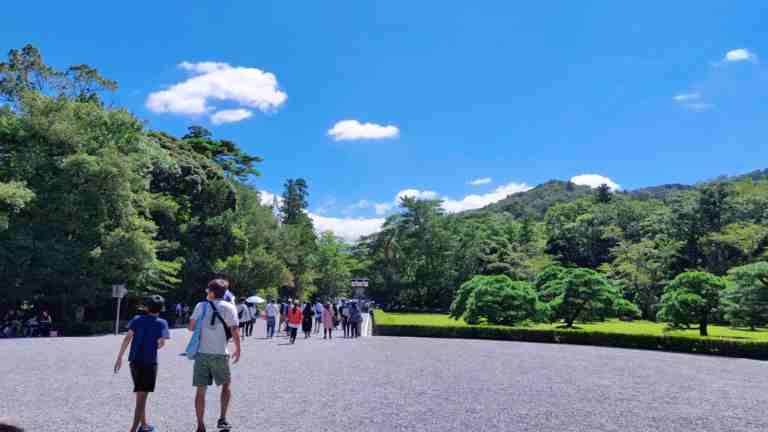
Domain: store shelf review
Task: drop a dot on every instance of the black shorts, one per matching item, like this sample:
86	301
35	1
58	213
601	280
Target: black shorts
144	377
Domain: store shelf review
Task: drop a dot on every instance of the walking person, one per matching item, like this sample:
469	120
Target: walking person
283	315
327	318
306	323
294	321
146	334
345	313
254	316
270	311
318	317
288	306
244	316
336	318
219	324
355	320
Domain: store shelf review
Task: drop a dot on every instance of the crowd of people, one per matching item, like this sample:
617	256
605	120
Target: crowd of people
314	318
19	322
215	323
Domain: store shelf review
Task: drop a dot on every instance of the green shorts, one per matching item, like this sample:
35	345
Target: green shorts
209	368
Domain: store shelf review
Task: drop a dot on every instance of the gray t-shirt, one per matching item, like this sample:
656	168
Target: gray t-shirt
213	338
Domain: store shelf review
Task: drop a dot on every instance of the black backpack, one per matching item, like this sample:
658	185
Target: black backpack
216	314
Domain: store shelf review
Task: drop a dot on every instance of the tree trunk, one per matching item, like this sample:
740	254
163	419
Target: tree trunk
569	321
703	326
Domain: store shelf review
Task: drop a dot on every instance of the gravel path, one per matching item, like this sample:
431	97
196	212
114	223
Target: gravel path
391	384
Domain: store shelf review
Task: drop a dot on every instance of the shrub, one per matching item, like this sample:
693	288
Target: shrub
505	302
496	299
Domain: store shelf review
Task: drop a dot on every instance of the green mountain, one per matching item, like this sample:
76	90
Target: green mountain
535	202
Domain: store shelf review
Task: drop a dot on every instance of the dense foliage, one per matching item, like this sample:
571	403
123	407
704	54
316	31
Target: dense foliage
496	300
636	242
89	198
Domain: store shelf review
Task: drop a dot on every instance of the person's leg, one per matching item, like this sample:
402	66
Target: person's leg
137	413
141	405
226	395
200	407
202	377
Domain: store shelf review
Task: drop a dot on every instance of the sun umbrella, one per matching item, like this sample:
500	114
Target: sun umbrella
255	299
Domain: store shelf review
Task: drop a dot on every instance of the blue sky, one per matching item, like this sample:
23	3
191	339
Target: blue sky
642	93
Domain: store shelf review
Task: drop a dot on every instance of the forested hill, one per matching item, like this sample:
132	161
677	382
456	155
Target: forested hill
535	202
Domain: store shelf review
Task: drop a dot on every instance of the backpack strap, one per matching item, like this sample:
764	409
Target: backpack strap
216	314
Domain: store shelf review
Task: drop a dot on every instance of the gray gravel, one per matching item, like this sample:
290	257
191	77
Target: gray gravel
391	384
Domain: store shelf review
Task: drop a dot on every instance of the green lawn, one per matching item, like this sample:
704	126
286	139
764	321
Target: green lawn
610	326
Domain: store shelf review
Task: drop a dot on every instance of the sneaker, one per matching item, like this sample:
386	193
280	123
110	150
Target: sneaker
223	425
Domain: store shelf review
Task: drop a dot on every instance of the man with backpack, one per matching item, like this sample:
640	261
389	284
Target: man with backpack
219	324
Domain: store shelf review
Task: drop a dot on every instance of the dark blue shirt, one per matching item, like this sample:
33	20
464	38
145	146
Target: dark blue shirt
147	330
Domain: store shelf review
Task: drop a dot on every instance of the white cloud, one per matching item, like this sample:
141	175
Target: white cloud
415	193
739	54
481	181
349	229
212	81
471	202
692	101
351	130
267	198
595	180
382	208
687	97
230	116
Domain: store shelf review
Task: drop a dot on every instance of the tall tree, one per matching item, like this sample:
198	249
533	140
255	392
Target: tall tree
295	202
692	297
746	298
297	235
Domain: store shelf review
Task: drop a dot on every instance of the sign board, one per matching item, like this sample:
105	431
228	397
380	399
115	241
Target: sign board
119	291
360	283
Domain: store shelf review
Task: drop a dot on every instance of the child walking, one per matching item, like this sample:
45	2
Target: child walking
146	334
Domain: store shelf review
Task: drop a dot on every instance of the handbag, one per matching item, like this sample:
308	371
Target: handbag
194	342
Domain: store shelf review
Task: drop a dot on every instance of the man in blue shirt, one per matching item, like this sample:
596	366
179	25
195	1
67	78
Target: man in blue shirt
146	334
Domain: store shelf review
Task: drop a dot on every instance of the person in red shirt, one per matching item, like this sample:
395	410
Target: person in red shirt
294	320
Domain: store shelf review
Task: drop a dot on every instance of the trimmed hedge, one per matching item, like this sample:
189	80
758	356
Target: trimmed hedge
722	347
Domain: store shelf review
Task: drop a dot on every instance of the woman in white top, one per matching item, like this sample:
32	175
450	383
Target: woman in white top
244	315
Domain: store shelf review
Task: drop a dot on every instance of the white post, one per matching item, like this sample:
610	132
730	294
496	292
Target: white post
117	319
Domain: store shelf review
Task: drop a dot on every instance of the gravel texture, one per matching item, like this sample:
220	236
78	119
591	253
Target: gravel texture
391	384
